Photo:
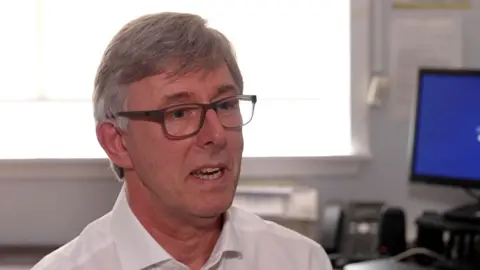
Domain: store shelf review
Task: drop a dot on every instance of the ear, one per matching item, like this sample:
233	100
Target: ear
112	143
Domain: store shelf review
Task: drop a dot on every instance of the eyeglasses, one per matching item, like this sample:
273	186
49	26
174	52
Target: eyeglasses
185	120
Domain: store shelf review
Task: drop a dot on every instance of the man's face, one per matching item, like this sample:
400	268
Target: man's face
171	168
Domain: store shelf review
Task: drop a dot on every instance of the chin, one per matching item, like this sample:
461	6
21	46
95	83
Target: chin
213	207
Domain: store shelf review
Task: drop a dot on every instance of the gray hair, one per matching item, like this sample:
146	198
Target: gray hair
177	43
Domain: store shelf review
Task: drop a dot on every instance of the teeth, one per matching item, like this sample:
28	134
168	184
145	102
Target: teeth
208	173
209	170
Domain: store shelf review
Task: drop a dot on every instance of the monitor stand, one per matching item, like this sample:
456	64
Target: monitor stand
466	213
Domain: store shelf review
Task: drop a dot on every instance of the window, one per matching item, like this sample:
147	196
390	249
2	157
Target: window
295	55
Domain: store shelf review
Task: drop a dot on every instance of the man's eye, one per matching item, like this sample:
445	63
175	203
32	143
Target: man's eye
179	113
182	113
227	105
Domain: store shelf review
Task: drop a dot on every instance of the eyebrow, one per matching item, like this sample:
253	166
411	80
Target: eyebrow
224	89
186	96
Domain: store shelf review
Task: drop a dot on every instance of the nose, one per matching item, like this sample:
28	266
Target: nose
212	133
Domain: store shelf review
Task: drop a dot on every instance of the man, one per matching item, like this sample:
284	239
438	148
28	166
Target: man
169	110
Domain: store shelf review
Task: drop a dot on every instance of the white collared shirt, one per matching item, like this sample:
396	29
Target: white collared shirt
119	241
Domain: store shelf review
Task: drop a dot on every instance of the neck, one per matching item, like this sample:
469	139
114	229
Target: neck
188	240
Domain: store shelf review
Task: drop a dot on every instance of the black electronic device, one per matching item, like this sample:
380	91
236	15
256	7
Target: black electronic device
457	242
361	230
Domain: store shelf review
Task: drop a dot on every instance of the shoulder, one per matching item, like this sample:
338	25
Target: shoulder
56	260
259	234
92	243
253	226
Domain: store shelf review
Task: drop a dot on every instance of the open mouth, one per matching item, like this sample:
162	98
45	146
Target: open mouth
208	173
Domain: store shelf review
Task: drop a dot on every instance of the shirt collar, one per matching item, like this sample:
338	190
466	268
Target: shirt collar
229	240
137	249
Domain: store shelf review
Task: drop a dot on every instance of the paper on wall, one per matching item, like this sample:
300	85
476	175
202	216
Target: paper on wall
420	42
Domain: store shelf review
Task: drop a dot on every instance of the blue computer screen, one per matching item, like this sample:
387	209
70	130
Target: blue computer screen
447	141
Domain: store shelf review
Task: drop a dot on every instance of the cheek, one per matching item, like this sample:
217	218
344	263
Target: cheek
154	155
235	142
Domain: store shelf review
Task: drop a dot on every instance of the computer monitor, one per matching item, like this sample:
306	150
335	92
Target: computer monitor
446	137
446	133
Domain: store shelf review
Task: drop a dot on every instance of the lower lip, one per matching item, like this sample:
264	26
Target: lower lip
210	179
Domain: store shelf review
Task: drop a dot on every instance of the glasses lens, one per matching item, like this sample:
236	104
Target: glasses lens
182	120
235	112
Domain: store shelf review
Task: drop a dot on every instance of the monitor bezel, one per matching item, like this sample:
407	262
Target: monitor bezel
434	179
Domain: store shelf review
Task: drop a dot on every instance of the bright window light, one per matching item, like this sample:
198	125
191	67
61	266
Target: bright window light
18	50
294	55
